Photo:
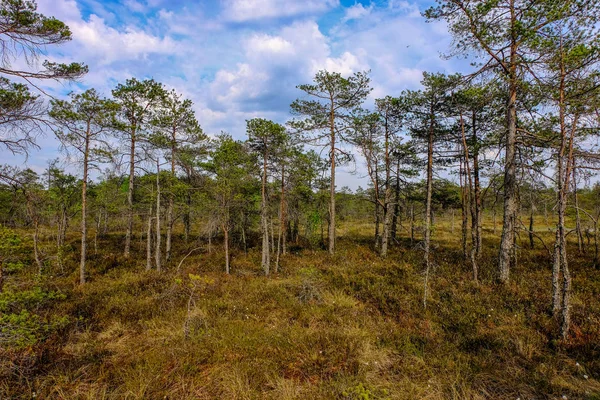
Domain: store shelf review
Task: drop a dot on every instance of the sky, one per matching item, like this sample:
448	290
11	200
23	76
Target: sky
241	59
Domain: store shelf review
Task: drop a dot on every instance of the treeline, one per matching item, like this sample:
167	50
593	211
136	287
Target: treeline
517	130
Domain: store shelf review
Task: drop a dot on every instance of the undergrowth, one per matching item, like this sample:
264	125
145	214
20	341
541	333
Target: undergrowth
351	326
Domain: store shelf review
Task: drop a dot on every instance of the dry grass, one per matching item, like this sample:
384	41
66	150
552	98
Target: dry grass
349	327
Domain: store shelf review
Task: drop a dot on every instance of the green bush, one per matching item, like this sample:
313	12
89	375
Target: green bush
20	325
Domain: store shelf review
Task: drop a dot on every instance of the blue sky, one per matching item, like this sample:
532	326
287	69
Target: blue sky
239	59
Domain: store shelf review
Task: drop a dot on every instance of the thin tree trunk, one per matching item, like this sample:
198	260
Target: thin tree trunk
507	240
476	217
226	233
471	201
272	236
412	223
566	300
62	226
394	228
84	207
282	214
149	241
377	237
278	250
169	233
157	249
332	183
562	292
171	203
596	242
427	238
577	215
387	221
266	254
463	203
387	201
531	241
129	232
561	206
377	200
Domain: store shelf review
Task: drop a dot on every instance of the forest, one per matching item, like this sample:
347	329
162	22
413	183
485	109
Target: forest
154	260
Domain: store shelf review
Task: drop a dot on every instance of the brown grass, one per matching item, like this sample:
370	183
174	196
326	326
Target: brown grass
349	327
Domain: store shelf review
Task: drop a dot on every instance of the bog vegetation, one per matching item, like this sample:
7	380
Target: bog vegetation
180	264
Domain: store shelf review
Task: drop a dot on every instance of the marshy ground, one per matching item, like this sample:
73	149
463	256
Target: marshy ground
351	326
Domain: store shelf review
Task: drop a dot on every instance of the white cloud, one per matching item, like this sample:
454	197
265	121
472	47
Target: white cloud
95	41
65	10
233	72
106	45
267	44
135	6
247	10
357	11
346	64
410	9
273	66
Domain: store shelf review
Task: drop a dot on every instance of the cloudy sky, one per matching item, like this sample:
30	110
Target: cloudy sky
239	59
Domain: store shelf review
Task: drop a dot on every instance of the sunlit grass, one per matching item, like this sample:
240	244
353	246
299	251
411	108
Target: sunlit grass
349	326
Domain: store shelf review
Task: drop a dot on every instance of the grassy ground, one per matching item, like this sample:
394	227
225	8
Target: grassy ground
350	326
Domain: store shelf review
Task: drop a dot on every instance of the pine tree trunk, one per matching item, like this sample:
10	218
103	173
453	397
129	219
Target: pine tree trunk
396	216
169	233
476	217
577	215
531	241
387	201
562	290
129	232
266	261
377	201
226	233
596	243
469	200
566	300
332	183
282	214
84	208
507	241
428	210
464	215
377	213
412	223
149	241
171	204
157	249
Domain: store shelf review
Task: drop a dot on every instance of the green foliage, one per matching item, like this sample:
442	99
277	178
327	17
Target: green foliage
138	102
13	251
20	324
12	300
362	392
26	33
